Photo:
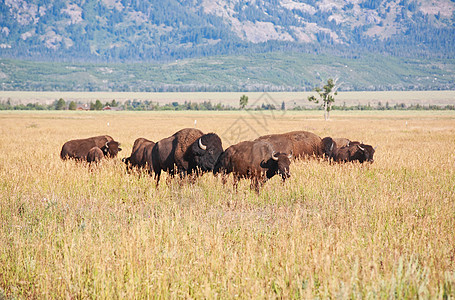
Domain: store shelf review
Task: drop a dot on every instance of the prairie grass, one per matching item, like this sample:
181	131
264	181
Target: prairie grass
384	230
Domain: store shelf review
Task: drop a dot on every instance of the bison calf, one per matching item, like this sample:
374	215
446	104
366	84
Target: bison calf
255	160
95	155
141	155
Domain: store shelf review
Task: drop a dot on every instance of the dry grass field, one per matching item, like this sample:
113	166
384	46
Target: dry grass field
353	231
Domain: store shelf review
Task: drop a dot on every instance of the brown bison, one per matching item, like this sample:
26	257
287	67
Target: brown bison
256	160
185	152
95	155
355	151
141	155
299	143
78	149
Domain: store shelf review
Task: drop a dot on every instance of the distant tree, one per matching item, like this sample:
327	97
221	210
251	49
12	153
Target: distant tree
98	105
243	101
283	106
114	103
326	95
92	106
72	105
60	105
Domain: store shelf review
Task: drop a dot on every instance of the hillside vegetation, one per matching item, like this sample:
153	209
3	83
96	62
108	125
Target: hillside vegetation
255	72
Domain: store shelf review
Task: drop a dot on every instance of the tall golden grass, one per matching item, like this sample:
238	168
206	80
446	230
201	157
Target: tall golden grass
384	230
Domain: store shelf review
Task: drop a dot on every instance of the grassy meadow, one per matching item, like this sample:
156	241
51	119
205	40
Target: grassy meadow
384	230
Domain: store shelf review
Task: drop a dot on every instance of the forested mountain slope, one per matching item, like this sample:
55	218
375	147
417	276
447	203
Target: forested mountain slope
146	30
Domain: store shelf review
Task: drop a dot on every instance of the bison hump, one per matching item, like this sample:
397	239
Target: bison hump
183	140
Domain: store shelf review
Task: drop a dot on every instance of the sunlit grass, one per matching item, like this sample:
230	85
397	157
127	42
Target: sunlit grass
341	231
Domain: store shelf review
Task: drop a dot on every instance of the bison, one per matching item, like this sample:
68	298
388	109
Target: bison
256	160
186	151
355	151
95	155
299	143
78	149
141	155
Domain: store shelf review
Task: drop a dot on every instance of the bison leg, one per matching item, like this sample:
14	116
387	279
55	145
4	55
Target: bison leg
255	184
181	173
192	177
236	183
224	179
169	179
157	176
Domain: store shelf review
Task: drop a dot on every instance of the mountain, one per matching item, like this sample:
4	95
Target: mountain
146	30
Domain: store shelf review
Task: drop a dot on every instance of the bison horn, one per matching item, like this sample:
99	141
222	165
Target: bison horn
290	156
274	157
375	148
203	147
348	143
363	149
331	146
106	145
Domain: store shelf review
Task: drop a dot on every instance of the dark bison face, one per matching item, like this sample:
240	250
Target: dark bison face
126	160
206	151
363	153
283	165
111	149
327	146
278	164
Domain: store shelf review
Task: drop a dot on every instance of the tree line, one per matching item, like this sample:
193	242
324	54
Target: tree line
146	105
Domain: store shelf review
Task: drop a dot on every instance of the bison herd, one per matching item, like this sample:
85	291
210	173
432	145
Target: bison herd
191	152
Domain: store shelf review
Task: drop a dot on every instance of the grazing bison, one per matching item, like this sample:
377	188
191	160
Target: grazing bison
329	145
256	160
95	155
141	155
299	143
186	151
78	149
354	152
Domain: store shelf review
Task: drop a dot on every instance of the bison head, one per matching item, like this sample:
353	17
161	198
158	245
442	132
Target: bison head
278	164
111	148
206	151
362	153
328	145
